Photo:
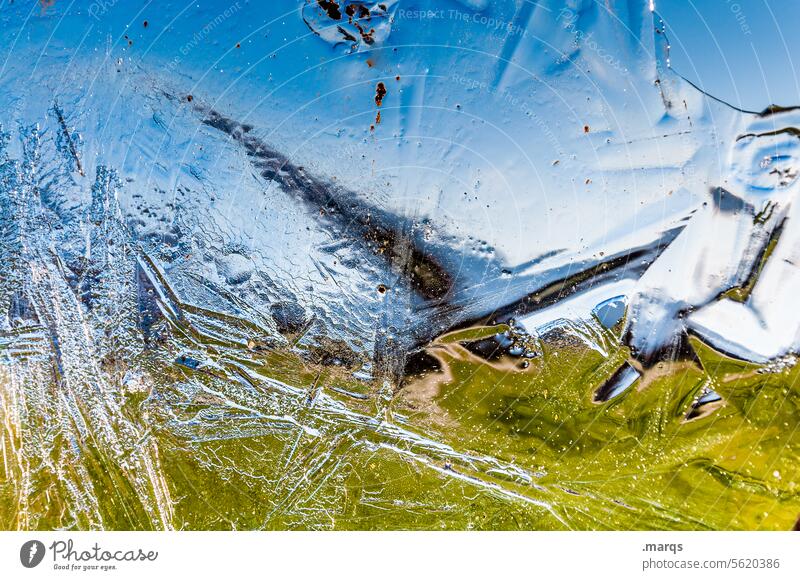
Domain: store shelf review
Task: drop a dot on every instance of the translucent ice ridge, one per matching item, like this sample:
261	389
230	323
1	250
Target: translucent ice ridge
247	221
436	163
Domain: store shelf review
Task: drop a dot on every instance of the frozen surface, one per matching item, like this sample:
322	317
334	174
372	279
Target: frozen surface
258	222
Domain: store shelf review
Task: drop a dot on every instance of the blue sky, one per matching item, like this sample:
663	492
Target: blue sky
746	52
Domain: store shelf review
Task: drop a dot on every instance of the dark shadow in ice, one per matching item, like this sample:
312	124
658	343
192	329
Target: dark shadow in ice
704	405
382	232
618	383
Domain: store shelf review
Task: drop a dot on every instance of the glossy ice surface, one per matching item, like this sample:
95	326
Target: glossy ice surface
430	264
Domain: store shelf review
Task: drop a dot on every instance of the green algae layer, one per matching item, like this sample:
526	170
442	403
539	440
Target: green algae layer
234	435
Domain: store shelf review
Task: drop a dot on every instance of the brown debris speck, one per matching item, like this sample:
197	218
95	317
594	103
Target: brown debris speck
380	92
331	7
45	4
363	11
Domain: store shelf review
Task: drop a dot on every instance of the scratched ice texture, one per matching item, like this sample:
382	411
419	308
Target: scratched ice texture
231	232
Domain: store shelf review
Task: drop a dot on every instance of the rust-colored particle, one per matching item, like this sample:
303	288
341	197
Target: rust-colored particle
378	118
331	7
397	78
380	92
45	4
367	36
363	11
381	289
370	64
189	98
586	128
